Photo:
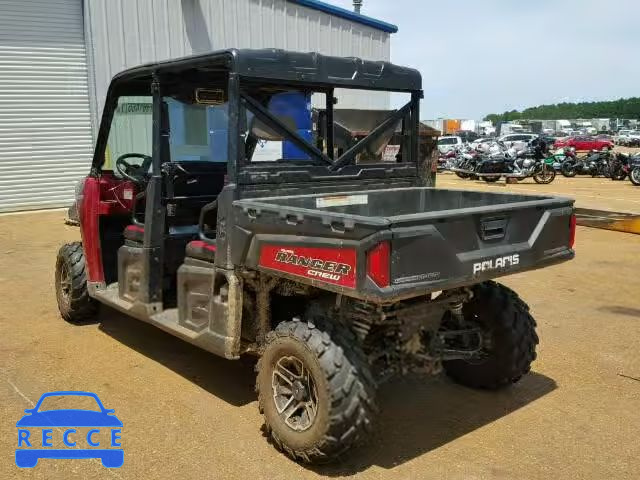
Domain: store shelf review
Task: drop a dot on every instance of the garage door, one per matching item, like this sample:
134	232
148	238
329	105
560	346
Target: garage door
45	126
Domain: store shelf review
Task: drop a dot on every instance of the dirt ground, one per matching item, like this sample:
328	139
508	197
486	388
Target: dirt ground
189	414
595	193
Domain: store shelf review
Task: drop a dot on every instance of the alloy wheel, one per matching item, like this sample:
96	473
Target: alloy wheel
294	393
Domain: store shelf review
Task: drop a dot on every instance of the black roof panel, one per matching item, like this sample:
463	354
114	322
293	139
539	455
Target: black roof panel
281	65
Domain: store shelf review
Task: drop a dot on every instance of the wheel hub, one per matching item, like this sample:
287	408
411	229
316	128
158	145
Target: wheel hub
299	391
64	280
294	393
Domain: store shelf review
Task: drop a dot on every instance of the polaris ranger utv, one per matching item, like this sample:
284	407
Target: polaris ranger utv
217	210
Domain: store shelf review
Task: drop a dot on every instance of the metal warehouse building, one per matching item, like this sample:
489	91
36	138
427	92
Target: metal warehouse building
58	56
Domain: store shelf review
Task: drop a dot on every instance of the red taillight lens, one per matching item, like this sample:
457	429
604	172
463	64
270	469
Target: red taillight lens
378	263
572	231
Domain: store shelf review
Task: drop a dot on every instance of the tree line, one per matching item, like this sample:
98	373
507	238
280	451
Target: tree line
622	108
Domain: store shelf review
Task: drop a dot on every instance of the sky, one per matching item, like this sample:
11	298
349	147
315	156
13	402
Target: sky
489	56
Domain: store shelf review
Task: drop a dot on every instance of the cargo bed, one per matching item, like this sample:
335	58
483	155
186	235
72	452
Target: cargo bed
434	239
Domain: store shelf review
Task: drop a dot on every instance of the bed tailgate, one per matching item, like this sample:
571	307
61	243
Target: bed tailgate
464	248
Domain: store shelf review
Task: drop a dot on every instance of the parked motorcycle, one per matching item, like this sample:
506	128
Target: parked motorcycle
520	167
466	163
619	166
634	170
496	161
446	161
595	163
562	155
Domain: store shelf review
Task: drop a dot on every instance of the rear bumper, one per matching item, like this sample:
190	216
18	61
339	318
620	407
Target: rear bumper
408	290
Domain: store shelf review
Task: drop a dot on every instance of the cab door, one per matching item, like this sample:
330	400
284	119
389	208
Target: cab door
108	197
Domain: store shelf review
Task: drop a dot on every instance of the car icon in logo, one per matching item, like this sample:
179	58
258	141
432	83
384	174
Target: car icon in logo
42	433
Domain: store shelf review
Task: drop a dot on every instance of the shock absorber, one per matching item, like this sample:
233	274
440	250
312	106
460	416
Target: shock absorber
457	305
456	310
361	316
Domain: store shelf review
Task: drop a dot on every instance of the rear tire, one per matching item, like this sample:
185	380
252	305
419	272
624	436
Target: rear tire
491	179
510	338
74	302
340	377
634	176
619	175
568	170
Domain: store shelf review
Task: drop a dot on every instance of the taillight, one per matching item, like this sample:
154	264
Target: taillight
378	263
572	231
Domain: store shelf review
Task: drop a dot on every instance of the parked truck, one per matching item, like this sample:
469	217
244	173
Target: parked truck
450	126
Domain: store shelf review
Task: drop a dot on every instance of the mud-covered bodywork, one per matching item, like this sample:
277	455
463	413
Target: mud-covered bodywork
434	239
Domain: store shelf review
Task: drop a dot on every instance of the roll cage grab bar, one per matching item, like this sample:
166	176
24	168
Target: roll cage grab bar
265	116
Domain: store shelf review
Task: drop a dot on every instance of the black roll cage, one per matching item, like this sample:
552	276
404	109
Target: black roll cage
240	100
304	71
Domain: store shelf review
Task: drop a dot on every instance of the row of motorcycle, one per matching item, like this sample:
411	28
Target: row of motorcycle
606	163
490	162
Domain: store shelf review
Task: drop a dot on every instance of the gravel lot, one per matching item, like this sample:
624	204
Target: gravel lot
189	414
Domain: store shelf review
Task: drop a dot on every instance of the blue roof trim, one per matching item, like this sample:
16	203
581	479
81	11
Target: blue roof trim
348	14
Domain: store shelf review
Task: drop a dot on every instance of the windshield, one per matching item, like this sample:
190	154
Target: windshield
448	141
198	132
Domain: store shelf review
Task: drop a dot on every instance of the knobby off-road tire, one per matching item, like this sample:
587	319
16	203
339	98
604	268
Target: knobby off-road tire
511	334
344	387
74	302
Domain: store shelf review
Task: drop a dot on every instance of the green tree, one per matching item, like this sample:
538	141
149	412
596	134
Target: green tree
622	108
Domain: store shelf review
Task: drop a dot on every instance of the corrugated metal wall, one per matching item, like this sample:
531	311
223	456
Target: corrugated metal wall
125	33
45	126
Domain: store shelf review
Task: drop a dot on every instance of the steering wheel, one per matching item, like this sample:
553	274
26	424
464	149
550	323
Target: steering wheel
135	173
